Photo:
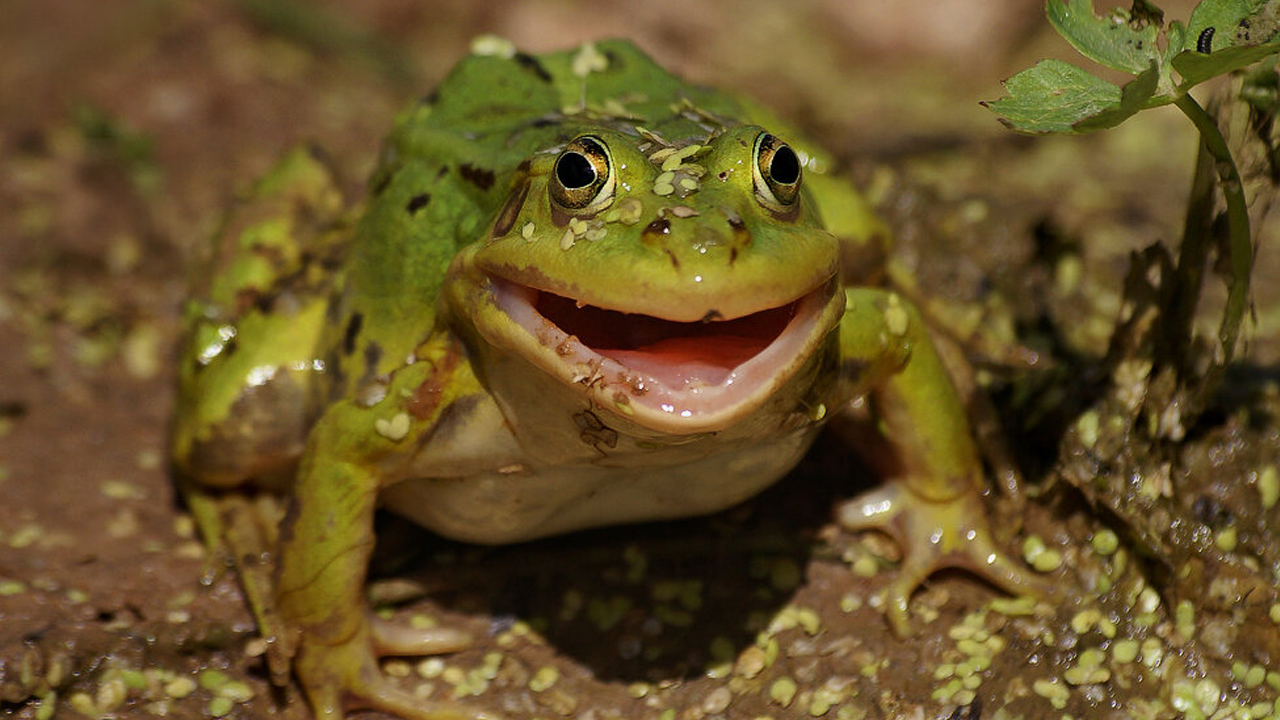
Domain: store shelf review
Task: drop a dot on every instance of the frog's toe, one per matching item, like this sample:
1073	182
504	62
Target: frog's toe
934	535
378	694
391	638
382	696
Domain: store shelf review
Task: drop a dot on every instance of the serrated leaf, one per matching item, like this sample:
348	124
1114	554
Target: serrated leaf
1196	67
1118	41
1134	96
1052	97
1235	22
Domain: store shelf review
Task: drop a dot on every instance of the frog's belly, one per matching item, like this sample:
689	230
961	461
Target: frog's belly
495	508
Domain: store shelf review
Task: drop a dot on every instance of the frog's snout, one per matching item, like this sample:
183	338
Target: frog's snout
697	238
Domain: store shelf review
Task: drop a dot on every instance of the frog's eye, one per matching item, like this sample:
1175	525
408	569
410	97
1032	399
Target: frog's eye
776	172
582	177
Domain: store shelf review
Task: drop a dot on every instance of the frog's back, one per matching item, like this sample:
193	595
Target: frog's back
507	105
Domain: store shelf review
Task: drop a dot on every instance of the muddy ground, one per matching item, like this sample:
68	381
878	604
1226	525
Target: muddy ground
125	127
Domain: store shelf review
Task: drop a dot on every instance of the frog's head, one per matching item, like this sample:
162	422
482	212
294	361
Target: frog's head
678	285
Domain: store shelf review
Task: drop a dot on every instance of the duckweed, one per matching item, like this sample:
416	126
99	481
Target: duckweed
783	691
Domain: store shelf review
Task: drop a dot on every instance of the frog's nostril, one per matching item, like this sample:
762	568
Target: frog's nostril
741	235
659	227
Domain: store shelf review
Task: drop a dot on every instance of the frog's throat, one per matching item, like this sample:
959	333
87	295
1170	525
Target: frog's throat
669	375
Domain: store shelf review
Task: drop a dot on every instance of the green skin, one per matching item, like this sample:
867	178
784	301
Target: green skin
357	357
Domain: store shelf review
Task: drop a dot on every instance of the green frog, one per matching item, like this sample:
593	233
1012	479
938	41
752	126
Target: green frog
579	292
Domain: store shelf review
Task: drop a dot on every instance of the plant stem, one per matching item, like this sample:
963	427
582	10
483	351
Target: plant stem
1240	246
1184	294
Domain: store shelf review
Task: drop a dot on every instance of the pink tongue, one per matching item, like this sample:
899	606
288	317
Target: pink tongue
683	361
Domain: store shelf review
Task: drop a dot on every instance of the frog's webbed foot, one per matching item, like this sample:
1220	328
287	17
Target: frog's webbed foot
335	673
934	535
345	675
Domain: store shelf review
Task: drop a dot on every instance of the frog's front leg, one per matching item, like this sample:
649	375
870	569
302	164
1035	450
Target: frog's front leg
934	510
325	548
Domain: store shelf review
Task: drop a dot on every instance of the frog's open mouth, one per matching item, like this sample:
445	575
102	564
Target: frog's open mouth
675	353
695	370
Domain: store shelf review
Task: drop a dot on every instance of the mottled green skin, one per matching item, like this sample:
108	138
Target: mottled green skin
357	355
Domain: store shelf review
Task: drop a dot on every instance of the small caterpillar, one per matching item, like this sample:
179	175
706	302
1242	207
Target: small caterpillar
1204	44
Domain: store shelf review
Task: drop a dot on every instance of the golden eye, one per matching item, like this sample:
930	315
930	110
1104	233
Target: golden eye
583	175
776	172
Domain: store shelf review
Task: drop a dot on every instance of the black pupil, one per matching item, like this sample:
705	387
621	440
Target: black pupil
784	168
575	171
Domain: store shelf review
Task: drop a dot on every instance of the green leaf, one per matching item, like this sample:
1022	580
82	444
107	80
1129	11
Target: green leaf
1119	41
1052	97
1176	38
1196	67
1135	96
1235	22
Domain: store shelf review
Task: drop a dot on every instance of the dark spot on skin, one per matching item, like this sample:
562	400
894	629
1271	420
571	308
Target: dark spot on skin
380	183
510	211
723	175
711	316
587	420
675	261
479	177
290	520
372	354
262	302
417	202
593	432
444	170
530	63
351	333
432	97
733	254
741	235
661	226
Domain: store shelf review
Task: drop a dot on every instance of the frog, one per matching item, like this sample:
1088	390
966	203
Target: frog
579	292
